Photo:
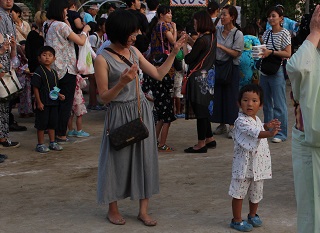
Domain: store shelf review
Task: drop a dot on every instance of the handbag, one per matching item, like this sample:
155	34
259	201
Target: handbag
224	69
196	68
271	64
10	86
133	131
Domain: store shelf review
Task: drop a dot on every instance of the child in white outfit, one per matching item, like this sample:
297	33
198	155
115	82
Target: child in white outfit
78	109
251	160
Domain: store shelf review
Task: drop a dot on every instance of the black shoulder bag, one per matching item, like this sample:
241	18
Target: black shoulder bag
271	64
133	131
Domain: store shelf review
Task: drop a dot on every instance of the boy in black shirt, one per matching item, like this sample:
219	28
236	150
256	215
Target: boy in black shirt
46	91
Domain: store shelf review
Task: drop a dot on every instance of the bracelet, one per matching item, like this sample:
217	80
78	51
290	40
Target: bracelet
83	33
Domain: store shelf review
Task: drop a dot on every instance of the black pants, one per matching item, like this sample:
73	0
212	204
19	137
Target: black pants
204	128
68	86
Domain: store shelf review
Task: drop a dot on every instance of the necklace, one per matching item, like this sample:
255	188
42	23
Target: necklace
53	94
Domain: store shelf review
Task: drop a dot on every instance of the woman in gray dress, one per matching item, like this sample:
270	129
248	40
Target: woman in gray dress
132	171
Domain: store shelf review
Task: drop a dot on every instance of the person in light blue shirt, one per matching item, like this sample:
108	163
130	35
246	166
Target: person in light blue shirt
91	14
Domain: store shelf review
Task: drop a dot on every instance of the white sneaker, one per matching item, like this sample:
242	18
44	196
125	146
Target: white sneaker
230	133
276	140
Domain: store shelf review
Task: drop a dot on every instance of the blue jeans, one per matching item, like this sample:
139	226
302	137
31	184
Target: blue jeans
275	101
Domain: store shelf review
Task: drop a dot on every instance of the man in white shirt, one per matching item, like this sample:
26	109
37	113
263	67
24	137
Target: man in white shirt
153	6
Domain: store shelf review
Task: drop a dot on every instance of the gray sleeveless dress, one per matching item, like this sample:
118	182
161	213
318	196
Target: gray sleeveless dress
132	171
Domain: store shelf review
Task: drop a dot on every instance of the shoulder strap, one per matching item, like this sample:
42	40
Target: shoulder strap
123	58
216	21
199	66
234	35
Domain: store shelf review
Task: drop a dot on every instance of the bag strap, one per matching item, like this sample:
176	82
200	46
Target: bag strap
162	39
270	33
129	63
216	21
199	65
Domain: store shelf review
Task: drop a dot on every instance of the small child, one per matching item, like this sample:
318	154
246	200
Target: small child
45	87
78	109
251	161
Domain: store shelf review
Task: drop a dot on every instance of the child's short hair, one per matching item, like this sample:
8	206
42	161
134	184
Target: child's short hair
255	88
46	48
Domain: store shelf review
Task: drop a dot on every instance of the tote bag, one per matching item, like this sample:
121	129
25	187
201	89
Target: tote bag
10	86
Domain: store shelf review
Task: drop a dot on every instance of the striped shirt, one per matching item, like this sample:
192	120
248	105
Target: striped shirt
280	39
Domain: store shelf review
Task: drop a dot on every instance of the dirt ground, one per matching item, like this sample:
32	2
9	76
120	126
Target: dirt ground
56	192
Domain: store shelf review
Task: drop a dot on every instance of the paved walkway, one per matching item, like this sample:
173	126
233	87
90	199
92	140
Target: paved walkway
56	192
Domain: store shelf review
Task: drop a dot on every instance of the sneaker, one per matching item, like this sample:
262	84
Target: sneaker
165	148
16	127
255	221
3	156
276	140
55	146
42	148
230	133
72	133
9	144
182	115
81	134
221	129
243	226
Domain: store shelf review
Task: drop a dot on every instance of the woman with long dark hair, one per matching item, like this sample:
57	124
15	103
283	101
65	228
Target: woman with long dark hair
59	35
199	94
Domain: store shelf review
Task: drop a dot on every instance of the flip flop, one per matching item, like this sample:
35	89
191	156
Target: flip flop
120	221
148	223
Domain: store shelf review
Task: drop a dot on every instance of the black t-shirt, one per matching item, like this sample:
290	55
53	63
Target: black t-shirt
42	78
72	15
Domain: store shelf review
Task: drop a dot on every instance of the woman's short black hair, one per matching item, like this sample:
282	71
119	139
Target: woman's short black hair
255	88
16	9
46	48
232	12
204	22
276	9
120	25
56	9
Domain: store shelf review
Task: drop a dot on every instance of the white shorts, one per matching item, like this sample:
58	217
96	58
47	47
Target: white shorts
239	188
177	85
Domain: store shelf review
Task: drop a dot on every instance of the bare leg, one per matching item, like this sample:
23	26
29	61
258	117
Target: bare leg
159	128
70	127
164	134
177	105
92	90
79	123
236	209
253	209
143	213
113	214
40	134
51	133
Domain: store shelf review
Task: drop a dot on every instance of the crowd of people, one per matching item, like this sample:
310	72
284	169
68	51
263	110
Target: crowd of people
146	66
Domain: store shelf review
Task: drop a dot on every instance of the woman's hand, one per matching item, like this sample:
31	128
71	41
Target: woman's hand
86	28
128	74
315	21
179	44
266	52
5	47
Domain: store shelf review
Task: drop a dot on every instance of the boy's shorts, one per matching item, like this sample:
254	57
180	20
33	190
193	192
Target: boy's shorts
46	119
178	77
239	188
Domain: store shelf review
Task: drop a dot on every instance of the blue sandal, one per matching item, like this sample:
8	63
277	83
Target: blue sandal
243	226
255	221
